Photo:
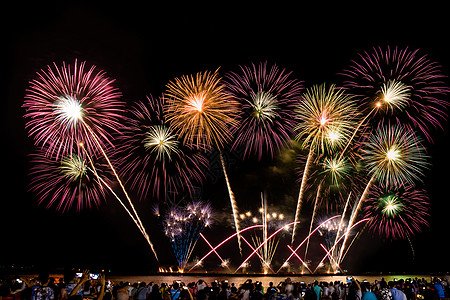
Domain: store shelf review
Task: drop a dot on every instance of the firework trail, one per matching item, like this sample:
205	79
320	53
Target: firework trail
263	243
299	258
224	263
304	241
203	115
405	84
397	212
234	207
267	97
183	228
340	238
68	107
331	231
223	242
326	119
152	157
312	218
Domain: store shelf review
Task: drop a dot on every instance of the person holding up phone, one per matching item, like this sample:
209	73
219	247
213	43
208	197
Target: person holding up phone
40	289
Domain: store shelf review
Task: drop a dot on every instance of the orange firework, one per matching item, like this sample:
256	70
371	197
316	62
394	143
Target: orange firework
200	111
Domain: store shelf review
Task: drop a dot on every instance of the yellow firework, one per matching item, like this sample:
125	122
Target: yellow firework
327	118
200	111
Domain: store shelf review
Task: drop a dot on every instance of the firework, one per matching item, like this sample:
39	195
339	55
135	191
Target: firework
183	228
200	111
68	105
394	155
349	228
404	83
304	241
203	114
68	183
267	97
397	213
224	263
262	244
152	158
329	229
326	120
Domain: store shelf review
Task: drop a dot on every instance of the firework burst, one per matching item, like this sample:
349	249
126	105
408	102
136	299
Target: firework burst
200	111
267	96
394	155
397	213
326	118
152	157
70	182
68	105
183	227
402	82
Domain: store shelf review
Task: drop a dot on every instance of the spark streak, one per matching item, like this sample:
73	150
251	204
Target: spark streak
210	246
312	232
223	242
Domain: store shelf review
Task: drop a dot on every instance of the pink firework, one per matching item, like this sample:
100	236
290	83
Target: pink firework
267	96
152	158
397	213
73	181
408	86
71	105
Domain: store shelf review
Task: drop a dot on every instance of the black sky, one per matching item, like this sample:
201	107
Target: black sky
145	46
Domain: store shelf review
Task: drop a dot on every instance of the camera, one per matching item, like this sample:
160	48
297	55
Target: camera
93	276
349	279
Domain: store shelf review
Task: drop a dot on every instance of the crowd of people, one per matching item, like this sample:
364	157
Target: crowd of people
84	287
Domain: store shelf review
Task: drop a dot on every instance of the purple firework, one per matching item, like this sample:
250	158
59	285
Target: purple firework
152	158
407	85
74	181
68	105
397	213
267	96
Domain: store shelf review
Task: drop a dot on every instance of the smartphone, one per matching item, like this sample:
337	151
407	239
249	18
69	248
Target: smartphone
349	278
18	280
185	287
93	276
78	275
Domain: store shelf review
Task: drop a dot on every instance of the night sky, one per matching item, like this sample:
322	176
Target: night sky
143	47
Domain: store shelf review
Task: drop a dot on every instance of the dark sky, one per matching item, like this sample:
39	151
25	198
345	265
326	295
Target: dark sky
145	46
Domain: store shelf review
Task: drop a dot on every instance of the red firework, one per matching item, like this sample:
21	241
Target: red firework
267	96
68	105
407	85
74	181
397	213
151	156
